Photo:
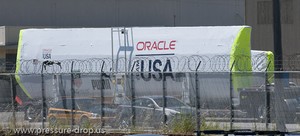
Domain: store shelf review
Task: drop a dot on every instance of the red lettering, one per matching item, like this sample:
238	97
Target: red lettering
154	46
158	45
172	45
165	48
148	45
140	46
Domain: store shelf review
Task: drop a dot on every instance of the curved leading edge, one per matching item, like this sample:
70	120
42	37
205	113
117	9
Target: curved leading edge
18	65
270	61
240	55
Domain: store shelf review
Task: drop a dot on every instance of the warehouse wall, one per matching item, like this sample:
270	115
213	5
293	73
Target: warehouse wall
18	14
107	13
259	16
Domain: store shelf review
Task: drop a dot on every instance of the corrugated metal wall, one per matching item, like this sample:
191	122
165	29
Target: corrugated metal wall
107	13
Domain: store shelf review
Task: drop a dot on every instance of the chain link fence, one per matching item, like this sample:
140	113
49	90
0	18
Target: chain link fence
173	102
173	95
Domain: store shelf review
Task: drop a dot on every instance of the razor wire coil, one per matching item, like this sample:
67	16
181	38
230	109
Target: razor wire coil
200	63
217	63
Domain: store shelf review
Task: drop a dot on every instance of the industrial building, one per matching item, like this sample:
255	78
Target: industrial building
16	15
258	15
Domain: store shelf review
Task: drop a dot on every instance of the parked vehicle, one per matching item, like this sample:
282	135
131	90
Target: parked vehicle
149	111
253	101
86	112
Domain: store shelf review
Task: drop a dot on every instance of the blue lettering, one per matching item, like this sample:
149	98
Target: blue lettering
142	71
157	70
155	66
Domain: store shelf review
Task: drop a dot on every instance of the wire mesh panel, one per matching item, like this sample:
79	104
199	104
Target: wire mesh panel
29	101
146	108
156	102
108	100
273	104
7	109
251	100
59	105
175	100
81	96
214	93
292	96
285	95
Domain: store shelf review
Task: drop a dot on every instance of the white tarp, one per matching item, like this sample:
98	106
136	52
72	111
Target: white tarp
150	42
92	42
155	49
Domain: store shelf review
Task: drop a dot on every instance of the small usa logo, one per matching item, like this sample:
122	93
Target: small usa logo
47	53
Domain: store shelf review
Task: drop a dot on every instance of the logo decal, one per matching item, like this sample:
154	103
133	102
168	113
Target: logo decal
47	53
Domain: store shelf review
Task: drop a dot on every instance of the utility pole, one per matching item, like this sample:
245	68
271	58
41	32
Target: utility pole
279	103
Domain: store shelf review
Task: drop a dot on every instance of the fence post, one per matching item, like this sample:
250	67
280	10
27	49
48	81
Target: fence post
13	95
72	95
164	99
230	93
267	97
43	97
132	99
101	99
198	119
102	82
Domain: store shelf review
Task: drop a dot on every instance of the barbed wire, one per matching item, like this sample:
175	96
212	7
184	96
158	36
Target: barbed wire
217	63
200	63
